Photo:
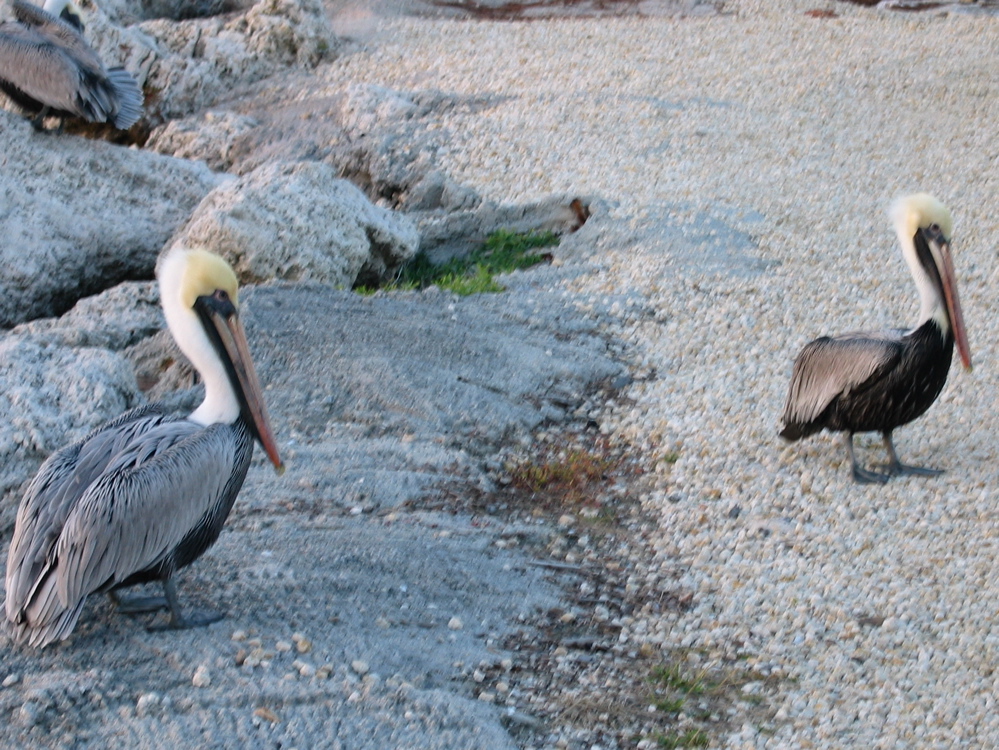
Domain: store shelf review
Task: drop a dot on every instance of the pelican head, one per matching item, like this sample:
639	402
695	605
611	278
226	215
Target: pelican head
200	297
924	227
67	10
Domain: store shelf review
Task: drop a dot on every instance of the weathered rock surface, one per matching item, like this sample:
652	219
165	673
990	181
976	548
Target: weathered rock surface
373	398
201	60
384	141
52	395
190	54
79	216
298	222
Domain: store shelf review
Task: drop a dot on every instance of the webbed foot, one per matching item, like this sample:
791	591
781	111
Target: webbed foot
866	476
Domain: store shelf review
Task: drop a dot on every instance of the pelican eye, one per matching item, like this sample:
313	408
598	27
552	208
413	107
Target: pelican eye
221	295
935	228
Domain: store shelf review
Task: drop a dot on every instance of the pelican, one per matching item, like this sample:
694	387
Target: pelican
147	493
866	382
48	69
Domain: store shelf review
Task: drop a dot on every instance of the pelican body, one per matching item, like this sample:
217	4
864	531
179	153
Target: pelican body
875	382
48	69
147	493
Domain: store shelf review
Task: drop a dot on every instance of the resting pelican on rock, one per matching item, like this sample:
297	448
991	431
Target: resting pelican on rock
147	493
867	382
48	69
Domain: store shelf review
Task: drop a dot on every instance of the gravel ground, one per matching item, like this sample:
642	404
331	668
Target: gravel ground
784	134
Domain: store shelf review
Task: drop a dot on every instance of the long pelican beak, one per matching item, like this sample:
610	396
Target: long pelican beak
949	282
237	352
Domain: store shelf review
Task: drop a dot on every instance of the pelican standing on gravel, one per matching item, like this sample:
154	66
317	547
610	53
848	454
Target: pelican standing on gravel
866	382
147	493
48	69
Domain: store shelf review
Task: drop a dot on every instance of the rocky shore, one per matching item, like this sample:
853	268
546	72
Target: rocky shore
708	585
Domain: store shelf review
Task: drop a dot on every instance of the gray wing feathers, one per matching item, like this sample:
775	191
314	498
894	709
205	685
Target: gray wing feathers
53	492
147	495
830	366
41	71
52	30
129	96
135	515
51	62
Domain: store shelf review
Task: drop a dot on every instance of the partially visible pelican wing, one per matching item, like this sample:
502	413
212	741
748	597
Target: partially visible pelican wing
37	68
56	31
831	366
55	490
52	63
141	507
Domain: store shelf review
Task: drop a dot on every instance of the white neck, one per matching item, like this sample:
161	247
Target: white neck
931	305
55	7
221	404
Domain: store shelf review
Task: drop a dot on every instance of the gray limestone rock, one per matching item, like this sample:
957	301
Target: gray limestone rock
298	222
200	60
79	216
52	395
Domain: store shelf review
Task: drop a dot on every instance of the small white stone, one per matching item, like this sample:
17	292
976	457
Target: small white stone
11	679
147	703
202	677
455	623
359	666
282	646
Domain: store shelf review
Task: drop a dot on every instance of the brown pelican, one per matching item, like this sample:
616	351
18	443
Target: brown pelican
48	69
147	493
864	382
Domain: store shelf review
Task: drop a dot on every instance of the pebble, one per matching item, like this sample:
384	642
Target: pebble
11	679
202	677
147	704
359	666
455	623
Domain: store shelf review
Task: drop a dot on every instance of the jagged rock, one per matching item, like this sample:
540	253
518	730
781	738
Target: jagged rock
212	137
298	222
80	216
379	139
383	141
202	59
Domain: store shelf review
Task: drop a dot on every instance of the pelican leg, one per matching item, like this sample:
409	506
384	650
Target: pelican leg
896	468
137	605
177	619
860	474
38	121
